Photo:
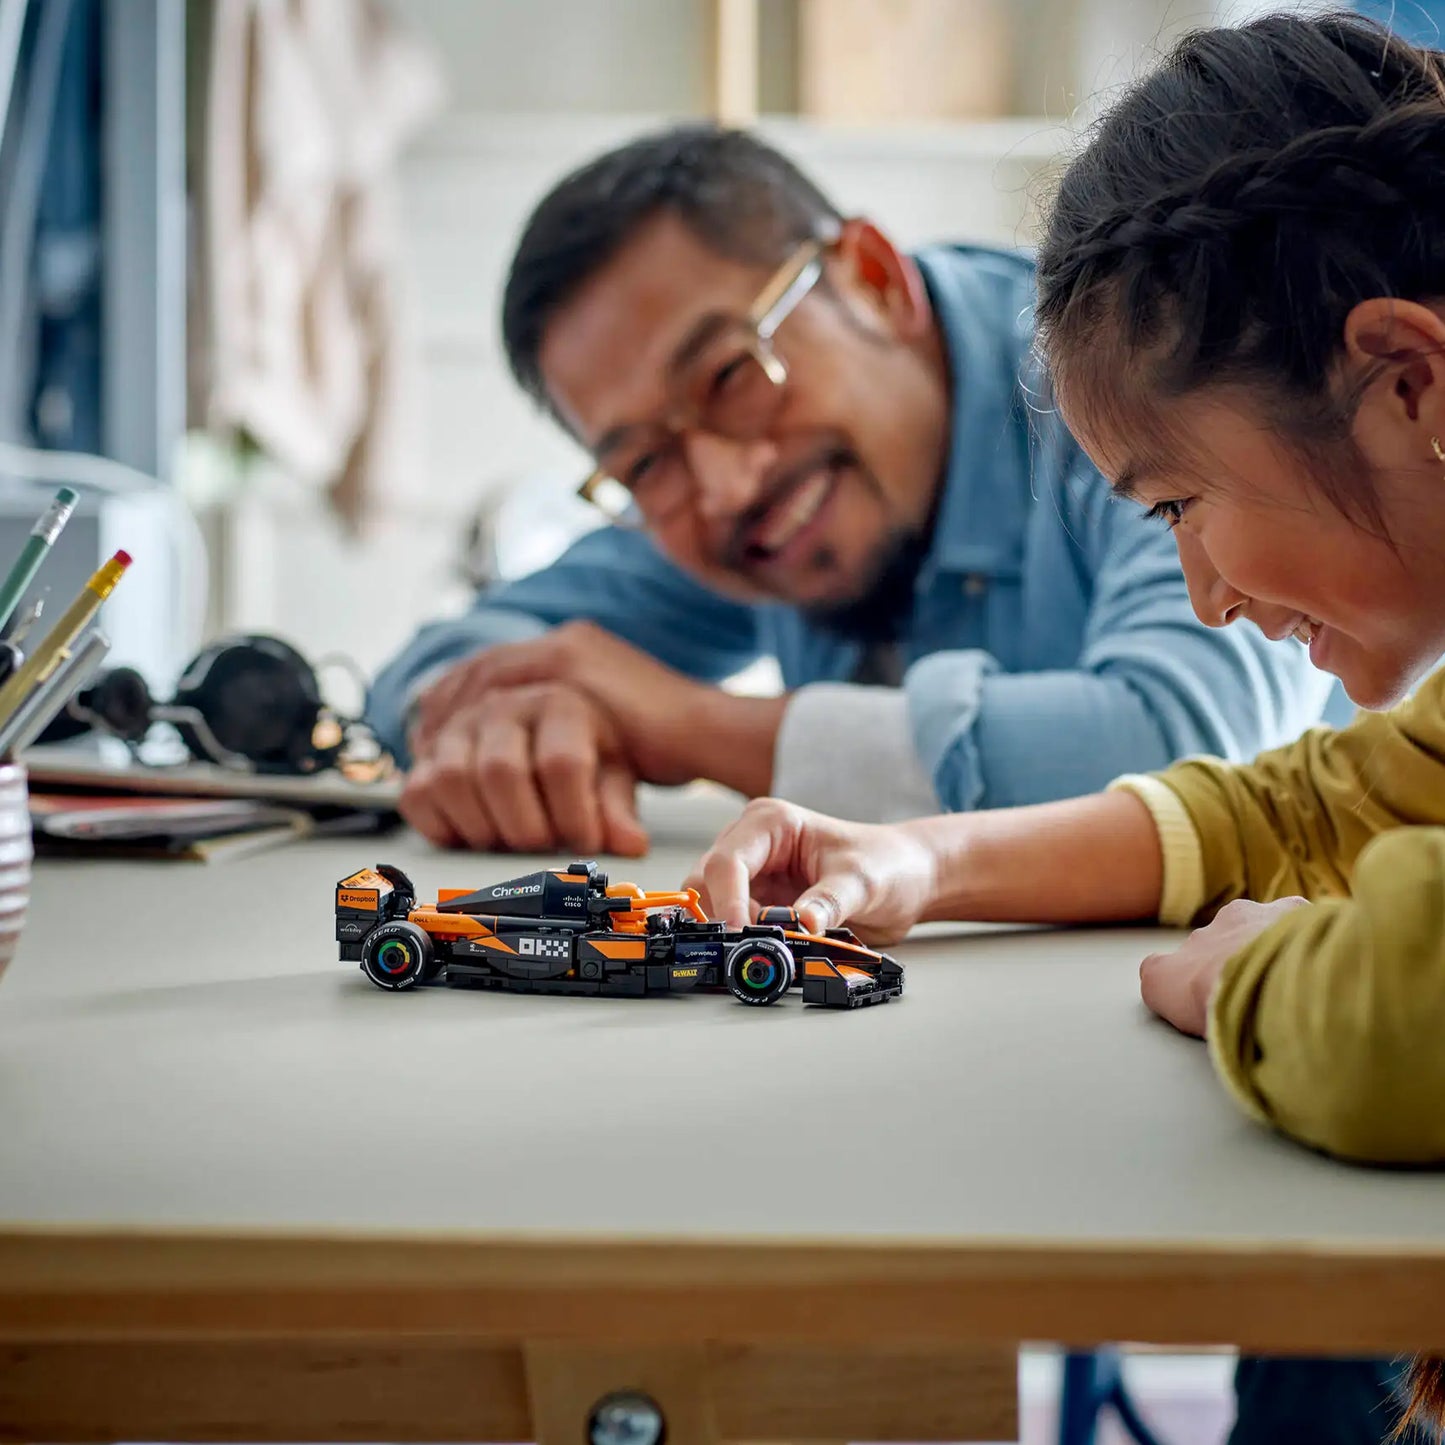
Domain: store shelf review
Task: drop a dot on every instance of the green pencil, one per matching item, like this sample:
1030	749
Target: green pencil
37	544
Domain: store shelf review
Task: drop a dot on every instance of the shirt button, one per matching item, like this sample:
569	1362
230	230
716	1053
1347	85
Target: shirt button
975	584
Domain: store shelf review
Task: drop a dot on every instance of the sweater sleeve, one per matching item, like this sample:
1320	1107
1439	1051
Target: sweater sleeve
1330	1025
1296	820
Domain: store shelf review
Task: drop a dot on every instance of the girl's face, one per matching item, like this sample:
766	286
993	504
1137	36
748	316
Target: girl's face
1259	542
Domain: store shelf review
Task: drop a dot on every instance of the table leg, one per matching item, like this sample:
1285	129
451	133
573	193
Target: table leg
604	1396
444	1389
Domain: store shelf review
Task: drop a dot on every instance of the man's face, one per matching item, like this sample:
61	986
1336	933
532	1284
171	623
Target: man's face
812	511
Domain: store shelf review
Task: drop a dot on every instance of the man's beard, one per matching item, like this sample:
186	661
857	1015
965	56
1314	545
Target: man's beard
880	612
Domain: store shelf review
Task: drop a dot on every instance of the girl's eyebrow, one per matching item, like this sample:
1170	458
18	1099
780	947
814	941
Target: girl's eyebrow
1127	481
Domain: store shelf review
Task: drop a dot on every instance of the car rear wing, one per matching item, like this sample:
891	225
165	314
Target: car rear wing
363	892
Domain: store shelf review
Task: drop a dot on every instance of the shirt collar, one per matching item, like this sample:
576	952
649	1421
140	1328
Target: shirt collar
983	302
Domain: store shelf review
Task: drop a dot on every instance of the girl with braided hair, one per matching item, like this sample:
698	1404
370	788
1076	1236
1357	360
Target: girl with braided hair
1241	304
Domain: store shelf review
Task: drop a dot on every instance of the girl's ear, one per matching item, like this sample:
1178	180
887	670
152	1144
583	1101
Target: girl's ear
886	282
1403	343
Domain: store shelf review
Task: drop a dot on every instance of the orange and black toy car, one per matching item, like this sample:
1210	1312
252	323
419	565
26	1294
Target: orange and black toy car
570	931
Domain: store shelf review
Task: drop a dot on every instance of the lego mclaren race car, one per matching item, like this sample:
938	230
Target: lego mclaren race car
570	931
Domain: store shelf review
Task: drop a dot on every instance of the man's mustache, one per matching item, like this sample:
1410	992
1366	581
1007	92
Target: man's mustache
740	550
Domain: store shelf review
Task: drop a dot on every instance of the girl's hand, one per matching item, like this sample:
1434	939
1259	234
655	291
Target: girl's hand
879	878
1178	986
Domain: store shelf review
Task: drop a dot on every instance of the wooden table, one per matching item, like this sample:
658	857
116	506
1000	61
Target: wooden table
245	1195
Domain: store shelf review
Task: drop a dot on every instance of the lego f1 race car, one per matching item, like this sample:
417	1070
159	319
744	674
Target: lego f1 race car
570	931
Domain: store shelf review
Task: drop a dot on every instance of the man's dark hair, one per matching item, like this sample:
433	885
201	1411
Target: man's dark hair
1229	212
739	196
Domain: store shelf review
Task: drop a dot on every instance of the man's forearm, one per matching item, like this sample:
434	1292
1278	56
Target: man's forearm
722	737
434	651
1085	860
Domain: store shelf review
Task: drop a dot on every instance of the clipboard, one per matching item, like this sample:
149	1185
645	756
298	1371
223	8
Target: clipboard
65	767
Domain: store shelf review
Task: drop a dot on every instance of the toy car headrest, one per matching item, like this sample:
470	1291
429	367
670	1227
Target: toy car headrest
782	917
588	870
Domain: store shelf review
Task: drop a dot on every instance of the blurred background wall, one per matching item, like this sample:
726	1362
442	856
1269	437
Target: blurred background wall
358	461
940	118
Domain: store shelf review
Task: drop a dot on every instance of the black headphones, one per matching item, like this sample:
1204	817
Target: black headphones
249	703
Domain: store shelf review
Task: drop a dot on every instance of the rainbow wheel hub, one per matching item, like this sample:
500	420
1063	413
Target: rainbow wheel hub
393	956
759	972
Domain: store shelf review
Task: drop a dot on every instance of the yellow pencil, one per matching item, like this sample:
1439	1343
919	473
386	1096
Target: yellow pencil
55	647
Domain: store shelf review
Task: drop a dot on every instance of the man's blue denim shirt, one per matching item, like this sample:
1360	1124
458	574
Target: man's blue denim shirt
1052	646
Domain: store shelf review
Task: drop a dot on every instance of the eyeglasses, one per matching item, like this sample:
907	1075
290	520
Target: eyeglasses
728	382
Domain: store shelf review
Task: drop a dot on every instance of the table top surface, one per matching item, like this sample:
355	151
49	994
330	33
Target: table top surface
180	1048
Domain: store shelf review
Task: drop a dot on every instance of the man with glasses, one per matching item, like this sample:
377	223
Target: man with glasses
816	448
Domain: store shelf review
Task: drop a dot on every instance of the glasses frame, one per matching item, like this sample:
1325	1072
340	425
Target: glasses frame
778	299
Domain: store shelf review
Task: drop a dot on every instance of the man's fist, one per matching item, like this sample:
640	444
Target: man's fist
669	727
649	702
526	769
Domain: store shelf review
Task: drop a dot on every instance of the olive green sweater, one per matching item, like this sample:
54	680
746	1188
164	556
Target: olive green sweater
1330	1024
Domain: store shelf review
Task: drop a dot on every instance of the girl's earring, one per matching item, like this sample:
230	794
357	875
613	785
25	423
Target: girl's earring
1439	450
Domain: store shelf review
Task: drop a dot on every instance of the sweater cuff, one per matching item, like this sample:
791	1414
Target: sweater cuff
1229	1032
848	750
1182	895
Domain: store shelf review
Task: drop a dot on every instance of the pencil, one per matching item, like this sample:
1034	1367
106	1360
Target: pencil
54	649
37	545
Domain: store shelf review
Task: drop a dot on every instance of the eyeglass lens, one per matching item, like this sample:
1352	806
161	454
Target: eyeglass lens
733	390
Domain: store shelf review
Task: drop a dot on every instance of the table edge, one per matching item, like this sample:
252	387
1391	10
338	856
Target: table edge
1307	1295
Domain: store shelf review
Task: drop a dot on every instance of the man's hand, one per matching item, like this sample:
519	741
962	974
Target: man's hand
526	769
671	727
1178	986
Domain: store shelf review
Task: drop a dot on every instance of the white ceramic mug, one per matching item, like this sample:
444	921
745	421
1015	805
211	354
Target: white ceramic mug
16	851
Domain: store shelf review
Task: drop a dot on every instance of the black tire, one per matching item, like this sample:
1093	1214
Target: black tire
759	970
397	955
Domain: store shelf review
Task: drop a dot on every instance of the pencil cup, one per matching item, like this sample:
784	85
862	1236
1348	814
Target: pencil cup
16	851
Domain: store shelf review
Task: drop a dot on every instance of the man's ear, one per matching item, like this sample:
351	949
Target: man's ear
887	282
1405	341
